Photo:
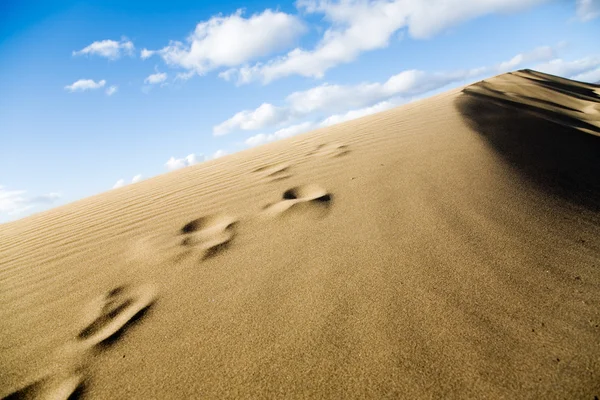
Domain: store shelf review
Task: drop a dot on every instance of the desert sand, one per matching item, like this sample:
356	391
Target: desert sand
447	248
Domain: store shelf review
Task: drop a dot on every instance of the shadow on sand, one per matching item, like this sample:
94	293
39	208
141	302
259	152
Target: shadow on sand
559	160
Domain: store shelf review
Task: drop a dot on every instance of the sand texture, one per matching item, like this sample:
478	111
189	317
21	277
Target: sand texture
448	248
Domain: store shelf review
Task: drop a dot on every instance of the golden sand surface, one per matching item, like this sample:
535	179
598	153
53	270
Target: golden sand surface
447	248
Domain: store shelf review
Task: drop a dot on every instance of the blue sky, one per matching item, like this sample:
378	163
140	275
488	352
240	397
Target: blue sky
99	94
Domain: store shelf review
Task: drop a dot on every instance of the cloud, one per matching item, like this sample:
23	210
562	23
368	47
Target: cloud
110	49
297	129
368	98
85	84
332	98
112	90
121	182
571	69
362	112
589	77
262	138
359	25
156	78
587	10
265	115
329	98
146	54
538	54
184	76
14	202
219	153
227	41
177	163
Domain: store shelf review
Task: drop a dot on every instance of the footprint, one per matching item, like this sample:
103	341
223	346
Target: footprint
65	379
311	195
330	150
275	172
113	311
106	317
208	235
53	387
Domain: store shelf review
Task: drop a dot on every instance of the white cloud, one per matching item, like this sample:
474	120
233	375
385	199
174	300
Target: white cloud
409	86
589	77
156	78
47	198
219	153
85	84
338	98
112	90
362	112
231	40
146	54
177	163
262	138
359	25
292	130
543	53
121	182
14	202
417	84
184	76
570	69
587	10
265	115
110	49
257	140
331	98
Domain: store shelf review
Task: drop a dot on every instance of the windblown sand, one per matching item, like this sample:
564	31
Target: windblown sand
448	248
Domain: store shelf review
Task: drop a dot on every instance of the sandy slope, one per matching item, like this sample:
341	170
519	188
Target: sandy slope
447	248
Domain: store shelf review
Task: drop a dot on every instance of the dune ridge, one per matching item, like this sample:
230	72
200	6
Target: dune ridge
447	248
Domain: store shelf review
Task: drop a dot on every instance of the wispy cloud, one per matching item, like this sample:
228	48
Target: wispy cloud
15	202
576	69
332	98
358	26
112	90
85	84
122	182
177	163
592	76
145	53
297	129
227	41
156	78
538	54
361	112
265	115
219	154
587	10
262	138
110	49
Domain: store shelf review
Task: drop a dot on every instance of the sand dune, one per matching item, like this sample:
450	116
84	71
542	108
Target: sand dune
447	248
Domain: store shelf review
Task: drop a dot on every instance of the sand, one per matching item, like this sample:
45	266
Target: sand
448	248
